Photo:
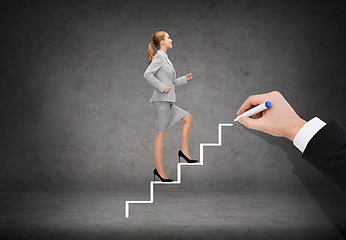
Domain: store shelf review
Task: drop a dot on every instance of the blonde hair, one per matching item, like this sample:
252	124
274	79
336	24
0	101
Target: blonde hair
157	37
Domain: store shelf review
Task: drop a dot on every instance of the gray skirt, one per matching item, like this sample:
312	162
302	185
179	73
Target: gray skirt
167	115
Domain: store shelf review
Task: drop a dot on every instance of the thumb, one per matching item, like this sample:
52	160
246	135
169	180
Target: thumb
250	123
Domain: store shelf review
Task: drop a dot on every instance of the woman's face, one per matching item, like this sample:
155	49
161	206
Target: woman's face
167	41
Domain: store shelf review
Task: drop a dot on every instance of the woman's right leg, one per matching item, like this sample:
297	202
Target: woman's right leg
158	149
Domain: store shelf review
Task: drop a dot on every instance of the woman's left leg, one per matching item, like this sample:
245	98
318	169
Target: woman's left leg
185	132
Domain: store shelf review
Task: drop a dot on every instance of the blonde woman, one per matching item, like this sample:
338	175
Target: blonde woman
162	76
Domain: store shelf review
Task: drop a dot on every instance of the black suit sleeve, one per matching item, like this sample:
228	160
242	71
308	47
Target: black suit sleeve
326	151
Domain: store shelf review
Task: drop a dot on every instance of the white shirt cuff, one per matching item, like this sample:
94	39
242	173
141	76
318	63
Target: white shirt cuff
305	134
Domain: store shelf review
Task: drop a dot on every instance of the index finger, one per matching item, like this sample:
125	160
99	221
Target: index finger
251	102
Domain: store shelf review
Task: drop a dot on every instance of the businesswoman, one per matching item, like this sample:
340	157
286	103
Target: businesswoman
162	76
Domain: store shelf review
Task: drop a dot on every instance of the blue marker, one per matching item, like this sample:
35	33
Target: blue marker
255	110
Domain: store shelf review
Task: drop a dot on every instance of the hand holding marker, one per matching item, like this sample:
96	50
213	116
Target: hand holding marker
322	145
280	120
255	110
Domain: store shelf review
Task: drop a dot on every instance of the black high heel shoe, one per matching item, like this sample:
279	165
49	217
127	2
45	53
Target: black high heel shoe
181	154
162	179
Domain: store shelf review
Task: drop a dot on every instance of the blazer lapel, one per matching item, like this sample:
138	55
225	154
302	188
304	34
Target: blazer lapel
171	65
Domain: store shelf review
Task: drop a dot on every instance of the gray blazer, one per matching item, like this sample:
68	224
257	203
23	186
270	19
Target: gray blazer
161	73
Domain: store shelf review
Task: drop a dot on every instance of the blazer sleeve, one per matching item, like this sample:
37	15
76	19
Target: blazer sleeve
180	81
151	70
326	151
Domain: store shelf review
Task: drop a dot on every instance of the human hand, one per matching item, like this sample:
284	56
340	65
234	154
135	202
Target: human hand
167	89
188	76
279	120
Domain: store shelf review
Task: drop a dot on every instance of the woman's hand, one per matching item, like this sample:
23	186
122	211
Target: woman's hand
189	76
167	89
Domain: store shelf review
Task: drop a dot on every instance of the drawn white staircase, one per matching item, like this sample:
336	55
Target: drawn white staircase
200	163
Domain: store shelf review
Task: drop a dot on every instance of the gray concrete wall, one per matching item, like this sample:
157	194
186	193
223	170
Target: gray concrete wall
75	109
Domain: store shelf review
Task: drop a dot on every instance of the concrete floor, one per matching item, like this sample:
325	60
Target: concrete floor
177	213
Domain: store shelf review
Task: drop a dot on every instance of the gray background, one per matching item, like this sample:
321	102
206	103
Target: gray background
75	111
